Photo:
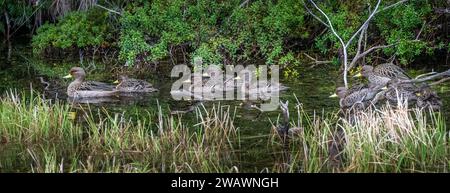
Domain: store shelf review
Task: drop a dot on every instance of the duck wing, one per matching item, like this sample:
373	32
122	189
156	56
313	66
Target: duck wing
136	85
391	71
95	85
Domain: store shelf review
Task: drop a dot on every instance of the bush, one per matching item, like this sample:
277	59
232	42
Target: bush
79	29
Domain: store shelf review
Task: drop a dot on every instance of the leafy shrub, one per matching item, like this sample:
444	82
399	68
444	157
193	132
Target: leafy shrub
80	29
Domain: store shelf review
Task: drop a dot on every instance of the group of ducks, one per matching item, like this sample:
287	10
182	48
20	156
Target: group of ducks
390	82
80	88
215	80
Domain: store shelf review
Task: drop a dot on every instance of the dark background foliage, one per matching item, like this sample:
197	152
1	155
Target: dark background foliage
226	32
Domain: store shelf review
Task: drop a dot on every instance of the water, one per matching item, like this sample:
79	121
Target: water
311	88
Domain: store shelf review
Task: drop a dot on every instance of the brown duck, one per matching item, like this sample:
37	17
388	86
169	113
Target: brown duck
79	88
383	73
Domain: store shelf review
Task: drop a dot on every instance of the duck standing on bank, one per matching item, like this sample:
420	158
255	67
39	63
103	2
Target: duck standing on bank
383	73
79	88
131	85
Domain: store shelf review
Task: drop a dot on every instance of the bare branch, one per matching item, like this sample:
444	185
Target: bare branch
314	15
110	10
359	56
432	77
244	3
421	29
358	50
391	6
439	81
364	24
424	75
316	62
340	40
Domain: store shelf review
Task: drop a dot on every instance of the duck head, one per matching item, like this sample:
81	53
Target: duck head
121	78
340	92
77	73
365	71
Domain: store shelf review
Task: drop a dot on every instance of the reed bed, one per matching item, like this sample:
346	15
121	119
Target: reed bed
41	136
388	139
38	135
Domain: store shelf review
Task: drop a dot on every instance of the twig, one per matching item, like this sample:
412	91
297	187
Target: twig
110	10
358	49
424	75
391	6
364	24
435	76
315	61
314	15
357	57
421	29
340	40
47	84
244	3
8	25
439	81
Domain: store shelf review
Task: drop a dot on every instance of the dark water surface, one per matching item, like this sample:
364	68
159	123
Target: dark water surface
312	89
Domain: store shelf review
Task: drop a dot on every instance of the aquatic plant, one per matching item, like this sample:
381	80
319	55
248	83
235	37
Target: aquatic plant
390	139
47	138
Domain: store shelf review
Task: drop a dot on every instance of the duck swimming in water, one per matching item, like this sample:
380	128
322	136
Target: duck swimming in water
131	85
79	88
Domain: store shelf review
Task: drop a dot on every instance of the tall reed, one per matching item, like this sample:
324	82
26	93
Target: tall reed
376	140
43	134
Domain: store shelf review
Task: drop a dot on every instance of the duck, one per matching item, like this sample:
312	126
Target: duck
131	85
427	98
79	88
383	73
357	95
397	92
258	88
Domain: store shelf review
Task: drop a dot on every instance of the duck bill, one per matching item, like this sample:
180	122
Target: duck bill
116	82
68	76
357	75
384	88
334	95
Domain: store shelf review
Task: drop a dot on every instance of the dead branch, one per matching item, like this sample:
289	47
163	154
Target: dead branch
424	75
421	29
391	6
244	3
364	25
439	81
359	56
317	62
432	77
361	31
315	16
340	40
110	10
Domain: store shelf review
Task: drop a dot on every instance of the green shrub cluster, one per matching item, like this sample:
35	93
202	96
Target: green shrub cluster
80	29
235	31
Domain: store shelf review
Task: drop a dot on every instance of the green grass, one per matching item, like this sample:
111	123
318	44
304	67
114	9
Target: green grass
38	135
41	137
382	140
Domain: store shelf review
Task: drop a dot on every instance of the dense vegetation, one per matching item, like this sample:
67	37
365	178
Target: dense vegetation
227	32
40	133
46	138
